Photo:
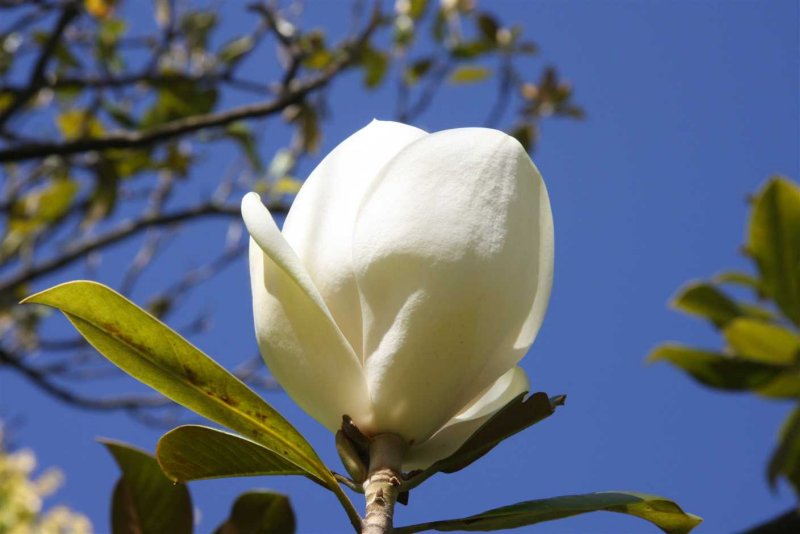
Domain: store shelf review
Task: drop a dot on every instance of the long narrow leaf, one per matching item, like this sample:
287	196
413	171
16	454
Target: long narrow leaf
662	512
151	352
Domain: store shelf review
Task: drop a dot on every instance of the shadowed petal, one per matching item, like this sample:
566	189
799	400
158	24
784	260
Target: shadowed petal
453	251
302	345
447	440
319	225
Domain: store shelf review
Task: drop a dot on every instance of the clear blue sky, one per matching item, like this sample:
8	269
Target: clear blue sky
691	106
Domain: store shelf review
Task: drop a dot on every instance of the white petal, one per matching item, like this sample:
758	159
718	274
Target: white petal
300	342
447	440
320	223
453	250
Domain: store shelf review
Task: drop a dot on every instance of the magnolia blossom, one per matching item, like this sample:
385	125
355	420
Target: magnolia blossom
411	276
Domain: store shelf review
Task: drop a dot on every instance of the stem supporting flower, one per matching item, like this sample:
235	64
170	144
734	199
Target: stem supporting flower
382	485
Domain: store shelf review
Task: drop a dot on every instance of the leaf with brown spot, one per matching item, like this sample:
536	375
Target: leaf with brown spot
151	352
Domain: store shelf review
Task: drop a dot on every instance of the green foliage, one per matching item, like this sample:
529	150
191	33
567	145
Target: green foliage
259	512
145	501
774	244
153	353
195	452
761	352
662	512
469	75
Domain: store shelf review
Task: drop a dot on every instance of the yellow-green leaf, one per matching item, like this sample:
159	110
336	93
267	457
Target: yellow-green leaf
729	373
663	513
151	352
236	50
78	124
774	243
705	300
464	75
786	458
762	341
194	452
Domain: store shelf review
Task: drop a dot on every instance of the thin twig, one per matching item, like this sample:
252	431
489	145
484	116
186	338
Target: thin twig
37	79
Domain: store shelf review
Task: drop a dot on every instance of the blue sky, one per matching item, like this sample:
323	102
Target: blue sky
691	106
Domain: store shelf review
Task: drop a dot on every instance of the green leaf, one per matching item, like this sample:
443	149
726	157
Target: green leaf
526	134
472	49
463	75
259	512
196	26
728	373
705	300
375	64
417	8
663	513
144	500
79	124
151	352
33	212
178	100
236	50
315	53
103	200
242	134
786	458
417	70
194	452
740	279
488	26
352	461
762	342
774	243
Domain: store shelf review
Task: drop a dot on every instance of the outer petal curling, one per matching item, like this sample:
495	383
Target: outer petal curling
319	225
301	344
453	256
451	436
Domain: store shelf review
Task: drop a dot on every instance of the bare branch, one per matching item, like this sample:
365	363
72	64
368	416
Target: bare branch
43	381
123	231
128	139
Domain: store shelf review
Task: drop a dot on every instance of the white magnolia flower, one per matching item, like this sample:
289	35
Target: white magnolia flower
412	274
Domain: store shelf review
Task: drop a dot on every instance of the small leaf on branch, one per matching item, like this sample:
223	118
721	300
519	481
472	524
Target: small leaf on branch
706	300
729	373
464	75
786	458
195	452
259	512
236	50
763	342
145	501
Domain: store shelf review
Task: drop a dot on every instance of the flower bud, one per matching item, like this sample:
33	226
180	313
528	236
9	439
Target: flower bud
412	274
